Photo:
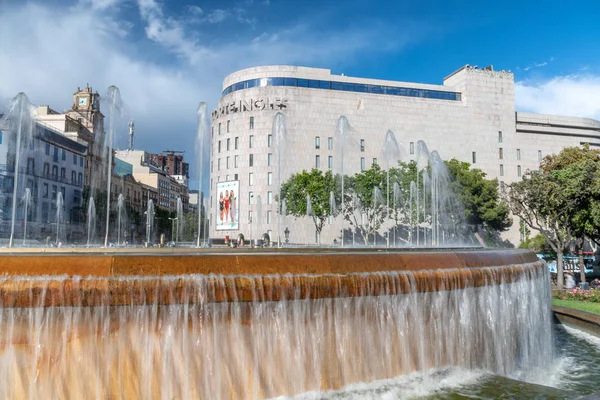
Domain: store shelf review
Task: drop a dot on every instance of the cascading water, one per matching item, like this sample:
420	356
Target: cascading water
91	222
397	200
422	163
26	203
259	349
414	205
149	221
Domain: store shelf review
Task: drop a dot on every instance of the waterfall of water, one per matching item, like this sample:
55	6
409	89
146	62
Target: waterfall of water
262	349
91	222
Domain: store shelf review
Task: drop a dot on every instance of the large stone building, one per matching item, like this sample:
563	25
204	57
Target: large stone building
471	117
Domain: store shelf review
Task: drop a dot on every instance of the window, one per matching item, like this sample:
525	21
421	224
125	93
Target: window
539	155
212	166
269	197
249	217
499	136
54	172
270	159
64	155
474	157
45	191
228	123
47	149
219	164
219	132
519	171
518	154
251	141
317	142
80	178
46	170
330	162
362	163
73	177
270	140
31	166
501	170
63	192
219	146
45	212
227	162
74	159
500	153
269	216
236	161
412	147
330	143
236	142
317	161
228	140
250	197
362	144
250	179
55	155
270	178
251	122
374	161
251	160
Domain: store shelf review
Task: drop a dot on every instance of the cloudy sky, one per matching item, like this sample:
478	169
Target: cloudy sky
167	56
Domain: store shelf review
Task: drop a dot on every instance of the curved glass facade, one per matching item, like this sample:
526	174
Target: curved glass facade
343	86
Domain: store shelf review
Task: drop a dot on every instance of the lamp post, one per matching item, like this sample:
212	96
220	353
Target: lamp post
287	235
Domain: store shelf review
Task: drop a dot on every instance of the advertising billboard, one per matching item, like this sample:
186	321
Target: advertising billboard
227	206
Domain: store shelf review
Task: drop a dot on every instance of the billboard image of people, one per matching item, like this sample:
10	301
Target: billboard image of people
227	206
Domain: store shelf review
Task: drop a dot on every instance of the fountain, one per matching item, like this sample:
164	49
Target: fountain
179	220
26	202
115	106
203	154
91	222
343	128
149	221
280	134
59	218
258	216
121	217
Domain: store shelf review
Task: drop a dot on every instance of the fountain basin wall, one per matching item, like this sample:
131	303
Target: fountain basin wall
237	325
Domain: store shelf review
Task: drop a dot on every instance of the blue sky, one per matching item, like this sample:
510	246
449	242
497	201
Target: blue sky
166	56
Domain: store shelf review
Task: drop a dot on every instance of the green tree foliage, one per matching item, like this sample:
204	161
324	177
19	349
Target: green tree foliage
369	213
539	199
317	185
478	196
538	244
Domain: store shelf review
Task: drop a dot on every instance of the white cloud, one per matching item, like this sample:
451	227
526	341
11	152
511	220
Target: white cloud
48	51
217	15
574	95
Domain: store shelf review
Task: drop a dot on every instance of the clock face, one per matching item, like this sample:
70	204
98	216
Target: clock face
83	101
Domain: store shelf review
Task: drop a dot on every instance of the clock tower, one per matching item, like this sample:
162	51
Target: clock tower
86	109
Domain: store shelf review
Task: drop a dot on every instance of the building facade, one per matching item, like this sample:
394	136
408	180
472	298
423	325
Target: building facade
470	117
146	172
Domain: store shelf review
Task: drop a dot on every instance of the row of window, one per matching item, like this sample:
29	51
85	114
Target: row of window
236	143
251	126
345	87
501	155
63	154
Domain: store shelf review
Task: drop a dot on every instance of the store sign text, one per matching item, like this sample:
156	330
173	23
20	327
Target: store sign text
233	107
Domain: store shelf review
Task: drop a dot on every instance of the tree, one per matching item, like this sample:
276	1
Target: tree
539	199
317	185
578	170
369	211
479	197
538	244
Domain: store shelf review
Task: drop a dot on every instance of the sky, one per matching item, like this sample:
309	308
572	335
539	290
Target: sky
167	56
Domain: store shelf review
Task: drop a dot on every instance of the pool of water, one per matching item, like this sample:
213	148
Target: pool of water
574	373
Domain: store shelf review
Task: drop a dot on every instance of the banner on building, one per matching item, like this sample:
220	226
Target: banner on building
227	206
